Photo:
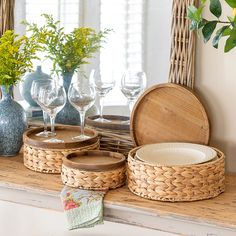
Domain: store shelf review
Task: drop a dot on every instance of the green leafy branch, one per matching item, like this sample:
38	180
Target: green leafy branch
208	27
67	51
16	55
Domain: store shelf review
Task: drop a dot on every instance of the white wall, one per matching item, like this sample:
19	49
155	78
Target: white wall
216	82
157	50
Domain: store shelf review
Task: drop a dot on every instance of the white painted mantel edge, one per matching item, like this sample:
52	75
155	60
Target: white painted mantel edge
117	213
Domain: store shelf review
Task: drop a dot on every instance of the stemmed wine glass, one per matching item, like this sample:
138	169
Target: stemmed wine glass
103	85
36	85
52	98
81	95
132	84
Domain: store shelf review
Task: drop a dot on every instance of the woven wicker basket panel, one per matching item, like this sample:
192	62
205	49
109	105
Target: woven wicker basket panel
115	140
182	58
177	183
104	180
49	160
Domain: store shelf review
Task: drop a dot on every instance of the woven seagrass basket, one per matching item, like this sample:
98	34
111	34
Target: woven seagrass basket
176	183
93	173
47	157
114	135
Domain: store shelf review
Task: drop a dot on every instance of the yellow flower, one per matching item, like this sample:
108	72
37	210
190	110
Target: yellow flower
234	12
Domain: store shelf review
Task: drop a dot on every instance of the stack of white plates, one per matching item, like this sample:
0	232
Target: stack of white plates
171	154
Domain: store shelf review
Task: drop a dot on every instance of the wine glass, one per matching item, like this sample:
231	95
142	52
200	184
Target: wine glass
36	85
52	98
132	84
81	95
103	85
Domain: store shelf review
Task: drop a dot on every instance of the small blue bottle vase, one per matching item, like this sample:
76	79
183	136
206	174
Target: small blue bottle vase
13	123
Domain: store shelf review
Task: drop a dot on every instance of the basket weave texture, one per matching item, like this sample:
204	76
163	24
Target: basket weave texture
115	140
95	180
114	137
176	183
49	160
182	59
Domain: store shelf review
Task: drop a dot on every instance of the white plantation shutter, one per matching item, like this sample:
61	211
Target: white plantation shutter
67	11
69	14
125	44
124	48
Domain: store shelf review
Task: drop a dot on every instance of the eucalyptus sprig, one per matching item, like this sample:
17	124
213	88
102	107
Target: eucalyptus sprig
67	51
222	28
16	55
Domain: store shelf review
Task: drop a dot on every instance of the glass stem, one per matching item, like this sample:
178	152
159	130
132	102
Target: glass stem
52	121
131	105
101	101
45	117
82	116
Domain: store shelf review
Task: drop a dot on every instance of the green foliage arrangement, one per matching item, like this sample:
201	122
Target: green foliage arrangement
222	28
67	51
16	55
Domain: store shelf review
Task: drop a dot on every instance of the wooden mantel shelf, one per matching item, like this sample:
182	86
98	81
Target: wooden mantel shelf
209	217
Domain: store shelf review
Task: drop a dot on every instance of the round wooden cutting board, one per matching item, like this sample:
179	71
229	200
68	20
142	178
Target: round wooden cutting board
169	113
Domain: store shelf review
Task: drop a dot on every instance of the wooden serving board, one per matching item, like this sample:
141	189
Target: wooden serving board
169	113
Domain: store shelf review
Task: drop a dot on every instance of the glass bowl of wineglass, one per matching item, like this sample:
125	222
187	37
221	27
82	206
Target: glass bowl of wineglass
132	85
81	95
52	98
36	85
104	83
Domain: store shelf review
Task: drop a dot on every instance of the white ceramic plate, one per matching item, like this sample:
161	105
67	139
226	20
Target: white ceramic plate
175	154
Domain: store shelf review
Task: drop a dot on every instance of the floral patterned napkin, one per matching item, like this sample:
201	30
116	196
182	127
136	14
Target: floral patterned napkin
83	208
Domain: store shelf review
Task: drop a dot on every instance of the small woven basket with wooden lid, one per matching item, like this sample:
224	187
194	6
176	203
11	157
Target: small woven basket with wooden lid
176	183
47	157
97	170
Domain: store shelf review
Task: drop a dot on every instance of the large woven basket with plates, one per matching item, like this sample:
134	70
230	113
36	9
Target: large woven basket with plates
176	183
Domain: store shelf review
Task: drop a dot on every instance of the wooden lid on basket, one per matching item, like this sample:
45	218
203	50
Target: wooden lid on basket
116	122
94	160
169	113
65	133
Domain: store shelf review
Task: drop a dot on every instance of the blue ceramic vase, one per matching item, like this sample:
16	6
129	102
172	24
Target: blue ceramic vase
12	124
27	83
69	115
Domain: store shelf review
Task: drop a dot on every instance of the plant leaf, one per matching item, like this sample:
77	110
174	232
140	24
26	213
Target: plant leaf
194	14
193	25
208	30
218	36
215	8
231	41
231	3
227	32
202	23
